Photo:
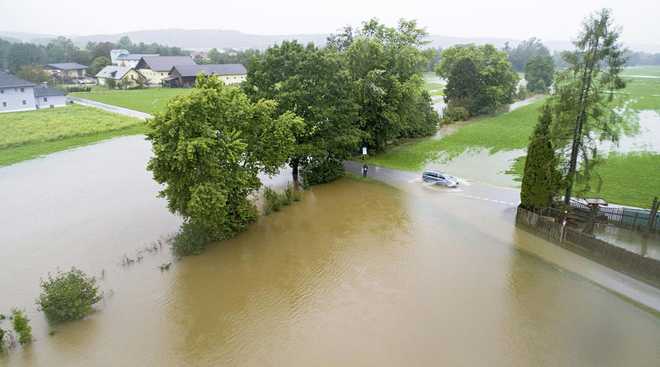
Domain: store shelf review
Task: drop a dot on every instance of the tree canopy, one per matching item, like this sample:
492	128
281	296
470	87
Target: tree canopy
479	78
525	51
312	83
210	146
539	73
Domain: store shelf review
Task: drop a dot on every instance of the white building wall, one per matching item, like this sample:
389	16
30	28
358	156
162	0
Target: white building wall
51	101
153	77
17	99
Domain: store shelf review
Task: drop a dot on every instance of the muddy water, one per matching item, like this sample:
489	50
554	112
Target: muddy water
358	274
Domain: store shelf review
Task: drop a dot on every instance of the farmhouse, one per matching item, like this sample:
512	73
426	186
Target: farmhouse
20	95
66	71
185	75
122	76
157	68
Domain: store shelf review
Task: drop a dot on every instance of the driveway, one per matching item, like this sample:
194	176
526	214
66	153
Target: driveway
110	108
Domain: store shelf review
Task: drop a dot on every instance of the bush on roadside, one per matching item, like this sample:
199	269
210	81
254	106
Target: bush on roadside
453	113
321	170
68	295
21	326
77	88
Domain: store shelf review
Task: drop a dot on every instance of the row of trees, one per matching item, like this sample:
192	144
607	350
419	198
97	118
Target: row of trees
95	54
306	106
581	112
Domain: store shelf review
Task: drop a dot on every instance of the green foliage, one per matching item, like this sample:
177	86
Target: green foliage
97	64
455	113
33	73
539	72
384	65
541	179
68	295
479	78
76	88
21	325
209	148
191	239
319	170
526	51
274	201
585	111
314	84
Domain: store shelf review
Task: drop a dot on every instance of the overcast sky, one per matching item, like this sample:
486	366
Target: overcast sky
518	19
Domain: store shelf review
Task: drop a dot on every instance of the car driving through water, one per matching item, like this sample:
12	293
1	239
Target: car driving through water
439	178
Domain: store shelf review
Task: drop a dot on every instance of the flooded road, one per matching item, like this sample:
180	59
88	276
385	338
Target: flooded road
357	274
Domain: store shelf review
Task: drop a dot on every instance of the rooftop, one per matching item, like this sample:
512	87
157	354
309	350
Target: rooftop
47	92
10	81
164	63
66	66
134	57
113	72
216	69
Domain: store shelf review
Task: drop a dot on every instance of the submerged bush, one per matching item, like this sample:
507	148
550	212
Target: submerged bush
21	326
274	201
454	113
68	296
191	240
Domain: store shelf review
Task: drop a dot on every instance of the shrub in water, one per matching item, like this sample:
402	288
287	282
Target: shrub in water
21	326
322	170
455	113
274	201
68	296
191	240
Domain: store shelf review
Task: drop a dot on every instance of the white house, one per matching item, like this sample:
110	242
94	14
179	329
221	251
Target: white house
15	94
122	76
186	75
157	68
66	71
20	95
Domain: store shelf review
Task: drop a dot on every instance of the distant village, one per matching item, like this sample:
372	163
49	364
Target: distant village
126	71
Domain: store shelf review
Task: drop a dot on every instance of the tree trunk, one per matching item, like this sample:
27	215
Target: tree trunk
295	164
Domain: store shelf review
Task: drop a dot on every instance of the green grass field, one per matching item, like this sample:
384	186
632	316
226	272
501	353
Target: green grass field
27	135
506	131
150	100
653	70
627	179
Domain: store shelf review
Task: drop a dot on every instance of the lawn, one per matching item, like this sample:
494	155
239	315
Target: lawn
150	100
627	179
651	70
505	131
27	135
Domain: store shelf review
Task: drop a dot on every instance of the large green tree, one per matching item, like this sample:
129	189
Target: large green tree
385	67
585	109
525	51
314	84
539	73
541	177
210	146
479	78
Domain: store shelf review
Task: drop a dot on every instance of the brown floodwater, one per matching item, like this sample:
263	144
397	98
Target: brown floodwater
357	274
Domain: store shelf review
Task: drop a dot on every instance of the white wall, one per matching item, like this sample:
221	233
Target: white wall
47	102
17	99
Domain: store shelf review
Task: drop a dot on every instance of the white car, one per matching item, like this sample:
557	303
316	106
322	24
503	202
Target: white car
439	178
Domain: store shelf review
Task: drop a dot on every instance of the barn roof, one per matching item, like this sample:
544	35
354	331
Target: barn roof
10	81
66	66
163	63
47	92
216	69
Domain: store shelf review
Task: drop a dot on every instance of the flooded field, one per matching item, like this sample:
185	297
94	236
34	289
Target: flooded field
357	274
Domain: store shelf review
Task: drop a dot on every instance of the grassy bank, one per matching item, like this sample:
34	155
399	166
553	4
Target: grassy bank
506	131
628	179
150	100
27	135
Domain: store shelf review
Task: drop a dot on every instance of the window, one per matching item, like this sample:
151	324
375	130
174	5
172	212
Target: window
4	104
24	102
2	91
22	90
45	99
